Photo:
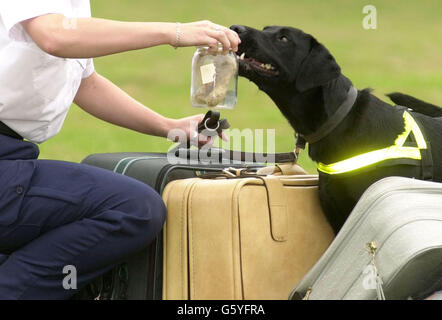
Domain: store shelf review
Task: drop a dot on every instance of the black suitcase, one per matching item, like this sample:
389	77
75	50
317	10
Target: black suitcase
140	276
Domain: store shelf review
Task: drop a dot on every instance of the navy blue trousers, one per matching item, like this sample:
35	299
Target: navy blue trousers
55	214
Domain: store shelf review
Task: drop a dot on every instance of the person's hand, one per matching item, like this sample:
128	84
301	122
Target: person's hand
188	127
206	33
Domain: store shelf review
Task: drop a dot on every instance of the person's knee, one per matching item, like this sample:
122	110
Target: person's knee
156	208
151	212
147	204
134	207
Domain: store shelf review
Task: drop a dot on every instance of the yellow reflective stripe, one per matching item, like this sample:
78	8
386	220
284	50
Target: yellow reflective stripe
420	141
408	127
396	151
370	158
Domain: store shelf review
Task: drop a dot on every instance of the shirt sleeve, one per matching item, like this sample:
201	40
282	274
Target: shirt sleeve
16	11
89	69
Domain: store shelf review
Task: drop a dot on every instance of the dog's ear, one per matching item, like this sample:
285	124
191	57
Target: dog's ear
318	68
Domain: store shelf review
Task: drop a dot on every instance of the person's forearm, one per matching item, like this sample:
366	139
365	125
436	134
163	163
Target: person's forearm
93	37
101	98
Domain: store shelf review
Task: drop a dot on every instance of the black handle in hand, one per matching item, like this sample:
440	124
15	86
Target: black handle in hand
212	125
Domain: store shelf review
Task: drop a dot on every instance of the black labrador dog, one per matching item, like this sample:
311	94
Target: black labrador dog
305	82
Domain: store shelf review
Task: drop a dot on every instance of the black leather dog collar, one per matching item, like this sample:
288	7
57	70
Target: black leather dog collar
335	119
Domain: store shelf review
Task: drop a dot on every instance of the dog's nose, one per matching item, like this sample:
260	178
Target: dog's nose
238	28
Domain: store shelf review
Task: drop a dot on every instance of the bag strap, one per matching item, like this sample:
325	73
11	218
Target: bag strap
212	125
277	208
225	154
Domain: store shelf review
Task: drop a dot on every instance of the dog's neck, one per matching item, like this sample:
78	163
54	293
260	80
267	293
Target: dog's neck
307	111
364	129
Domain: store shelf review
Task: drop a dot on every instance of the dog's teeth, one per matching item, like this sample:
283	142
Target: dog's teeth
242	56
262	65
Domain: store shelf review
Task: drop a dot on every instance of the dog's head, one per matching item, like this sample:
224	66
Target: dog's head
284	56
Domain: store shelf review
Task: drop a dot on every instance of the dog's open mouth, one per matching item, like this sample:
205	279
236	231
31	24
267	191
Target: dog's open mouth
251	63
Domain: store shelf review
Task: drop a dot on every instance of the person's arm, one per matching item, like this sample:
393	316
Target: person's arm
94	37
104	100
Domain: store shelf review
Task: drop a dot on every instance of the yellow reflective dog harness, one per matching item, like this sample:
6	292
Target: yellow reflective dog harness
396	151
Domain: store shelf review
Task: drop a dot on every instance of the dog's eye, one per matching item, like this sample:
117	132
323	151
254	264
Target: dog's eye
283	39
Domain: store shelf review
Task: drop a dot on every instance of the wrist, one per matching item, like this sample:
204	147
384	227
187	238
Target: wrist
170	33
167	125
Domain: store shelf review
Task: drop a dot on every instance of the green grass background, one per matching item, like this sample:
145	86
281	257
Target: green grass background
403	54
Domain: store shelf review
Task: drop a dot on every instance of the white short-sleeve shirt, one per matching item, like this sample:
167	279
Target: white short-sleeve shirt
37	89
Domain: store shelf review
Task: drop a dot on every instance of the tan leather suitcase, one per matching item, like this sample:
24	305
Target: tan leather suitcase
246	238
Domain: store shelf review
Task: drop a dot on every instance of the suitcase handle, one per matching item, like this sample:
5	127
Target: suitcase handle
216	154
211	125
